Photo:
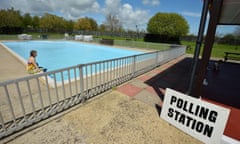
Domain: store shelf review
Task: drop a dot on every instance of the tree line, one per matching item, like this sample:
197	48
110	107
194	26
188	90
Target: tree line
163	26
12	22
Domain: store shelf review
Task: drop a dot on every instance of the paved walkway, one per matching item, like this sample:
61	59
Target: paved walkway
175	74
10	66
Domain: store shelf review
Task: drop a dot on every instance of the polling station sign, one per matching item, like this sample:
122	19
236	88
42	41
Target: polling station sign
200	119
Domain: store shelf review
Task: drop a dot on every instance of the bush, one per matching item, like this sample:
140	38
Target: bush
107	41
157	38
11	30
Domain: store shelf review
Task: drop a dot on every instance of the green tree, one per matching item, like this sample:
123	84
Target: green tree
46	22
102	28
69	25
52	23
237	31
170	24
35	22
86	24
237	34
93	24
10	18
27	20
228	39
10	21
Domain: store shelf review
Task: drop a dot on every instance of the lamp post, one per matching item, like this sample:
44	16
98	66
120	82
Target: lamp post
137	31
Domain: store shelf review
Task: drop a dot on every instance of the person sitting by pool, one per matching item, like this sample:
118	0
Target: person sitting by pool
32	65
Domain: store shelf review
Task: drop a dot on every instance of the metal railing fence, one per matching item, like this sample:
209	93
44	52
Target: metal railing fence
27	100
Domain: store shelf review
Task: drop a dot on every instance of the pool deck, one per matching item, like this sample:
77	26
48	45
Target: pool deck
10	66
129	114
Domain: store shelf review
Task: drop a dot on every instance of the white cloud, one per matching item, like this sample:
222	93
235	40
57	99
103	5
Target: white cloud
74	9
112	7
151	2
70	9
191	14
131	17
128	16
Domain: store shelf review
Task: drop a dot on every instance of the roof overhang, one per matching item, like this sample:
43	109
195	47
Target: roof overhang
230	12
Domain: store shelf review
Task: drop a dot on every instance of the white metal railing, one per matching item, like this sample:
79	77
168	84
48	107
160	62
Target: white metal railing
27	100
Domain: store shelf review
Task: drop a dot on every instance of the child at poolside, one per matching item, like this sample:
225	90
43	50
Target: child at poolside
32	65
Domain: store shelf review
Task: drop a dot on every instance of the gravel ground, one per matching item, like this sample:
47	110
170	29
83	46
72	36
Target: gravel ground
112	118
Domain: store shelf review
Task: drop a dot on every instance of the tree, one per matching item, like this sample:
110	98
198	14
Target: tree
102	28
170	24
69	26
237	31
52	23
86	24
237	34
228	39
46	22
27	20
113	24
35	22
10	21
93	24
10	18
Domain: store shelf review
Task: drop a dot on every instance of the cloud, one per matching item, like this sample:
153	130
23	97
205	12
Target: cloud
151	2
70	9
131	17
112	6
75	9
128	16
191	14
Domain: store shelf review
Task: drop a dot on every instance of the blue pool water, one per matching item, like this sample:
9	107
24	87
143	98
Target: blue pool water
54	55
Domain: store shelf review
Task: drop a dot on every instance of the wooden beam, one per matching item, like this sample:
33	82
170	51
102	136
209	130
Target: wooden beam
215	13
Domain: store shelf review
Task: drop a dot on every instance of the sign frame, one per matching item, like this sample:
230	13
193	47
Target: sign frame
200	119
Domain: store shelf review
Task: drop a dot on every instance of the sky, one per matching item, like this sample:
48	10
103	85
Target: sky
133	14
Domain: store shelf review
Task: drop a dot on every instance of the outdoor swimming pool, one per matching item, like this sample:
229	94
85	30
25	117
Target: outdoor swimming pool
55	55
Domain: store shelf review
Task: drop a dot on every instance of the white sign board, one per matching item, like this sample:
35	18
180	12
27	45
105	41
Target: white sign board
200	119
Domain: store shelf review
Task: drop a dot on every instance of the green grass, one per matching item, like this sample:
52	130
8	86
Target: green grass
8	37
217	51
141	44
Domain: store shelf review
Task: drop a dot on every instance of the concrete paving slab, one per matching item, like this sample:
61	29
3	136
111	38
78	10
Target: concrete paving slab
138	83
148	98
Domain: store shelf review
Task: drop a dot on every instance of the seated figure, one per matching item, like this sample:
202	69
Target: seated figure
32	65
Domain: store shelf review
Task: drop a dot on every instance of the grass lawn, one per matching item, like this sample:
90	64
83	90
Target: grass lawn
217	51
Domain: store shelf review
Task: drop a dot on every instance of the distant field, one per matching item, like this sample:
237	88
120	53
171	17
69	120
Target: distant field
217	51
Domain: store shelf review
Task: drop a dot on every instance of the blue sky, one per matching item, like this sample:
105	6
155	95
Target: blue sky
129	12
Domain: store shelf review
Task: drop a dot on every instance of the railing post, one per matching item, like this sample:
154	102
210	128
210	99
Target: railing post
82	95
134	66
156	63
2	123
